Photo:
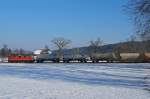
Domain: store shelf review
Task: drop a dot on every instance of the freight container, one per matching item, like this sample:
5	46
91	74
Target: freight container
130	57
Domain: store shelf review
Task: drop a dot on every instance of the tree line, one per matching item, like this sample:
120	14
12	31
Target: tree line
5	51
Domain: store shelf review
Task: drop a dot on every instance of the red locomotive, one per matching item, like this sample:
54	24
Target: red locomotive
17	58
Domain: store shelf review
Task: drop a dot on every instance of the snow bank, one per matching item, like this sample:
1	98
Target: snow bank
23	88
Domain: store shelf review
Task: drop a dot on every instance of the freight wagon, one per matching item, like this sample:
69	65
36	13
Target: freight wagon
108	57
130	57
75	58
146	57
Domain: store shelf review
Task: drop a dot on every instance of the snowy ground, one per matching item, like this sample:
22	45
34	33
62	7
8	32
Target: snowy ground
74	81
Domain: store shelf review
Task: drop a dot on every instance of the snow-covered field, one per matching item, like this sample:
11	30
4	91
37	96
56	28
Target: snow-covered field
74	81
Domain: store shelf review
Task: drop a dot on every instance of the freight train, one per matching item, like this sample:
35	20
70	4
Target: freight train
41	56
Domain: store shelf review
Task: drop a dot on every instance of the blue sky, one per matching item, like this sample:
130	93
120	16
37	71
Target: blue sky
32	24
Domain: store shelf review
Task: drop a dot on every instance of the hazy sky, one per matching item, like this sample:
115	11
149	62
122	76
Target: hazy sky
31	24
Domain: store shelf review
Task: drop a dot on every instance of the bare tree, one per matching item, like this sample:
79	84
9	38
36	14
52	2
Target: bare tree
94	46
60	43
97	42
140	12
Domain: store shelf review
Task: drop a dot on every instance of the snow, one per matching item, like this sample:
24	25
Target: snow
74	81
21	88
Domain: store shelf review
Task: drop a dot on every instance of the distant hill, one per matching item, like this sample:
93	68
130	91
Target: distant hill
135	46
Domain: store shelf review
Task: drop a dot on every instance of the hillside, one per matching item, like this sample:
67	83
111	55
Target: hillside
136	46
